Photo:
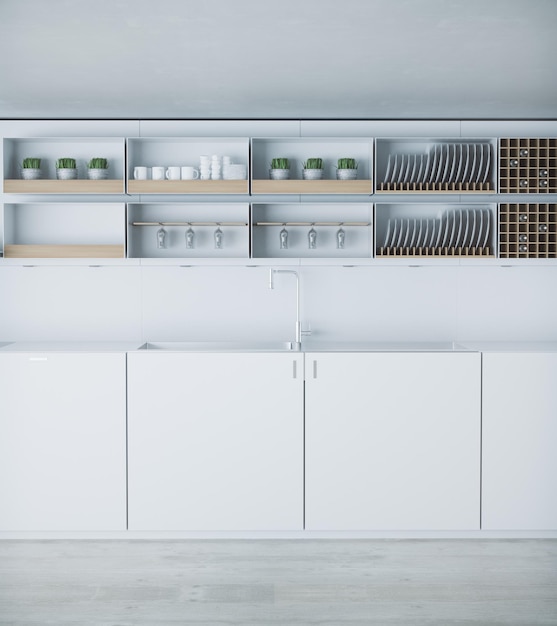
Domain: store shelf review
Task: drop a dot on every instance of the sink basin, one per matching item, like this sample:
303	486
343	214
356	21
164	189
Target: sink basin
221	346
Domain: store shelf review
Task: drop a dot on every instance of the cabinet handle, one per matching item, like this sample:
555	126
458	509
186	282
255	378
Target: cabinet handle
294	369
315	369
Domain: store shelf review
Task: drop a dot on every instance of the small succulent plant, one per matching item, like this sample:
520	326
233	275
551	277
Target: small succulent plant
98	163
347	164
31	163
313	164
65	164
280	164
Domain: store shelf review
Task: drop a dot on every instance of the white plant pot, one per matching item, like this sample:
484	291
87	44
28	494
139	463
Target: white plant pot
94	173
66	173
347	174
279	174
312	174
30	173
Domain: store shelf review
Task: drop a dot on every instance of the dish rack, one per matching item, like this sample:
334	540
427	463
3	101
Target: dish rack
528	165
444	167
528	231
453	232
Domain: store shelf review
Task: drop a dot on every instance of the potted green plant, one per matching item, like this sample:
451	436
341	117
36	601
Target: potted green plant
97	168
66	169
313	169
347	169
280	169
31	169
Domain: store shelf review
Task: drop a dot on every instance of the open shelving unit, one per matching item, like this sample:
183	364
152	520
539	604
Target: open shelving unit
435	166
49	149
68	230
179	151
528	165
528	230
298	150
435	230
191	230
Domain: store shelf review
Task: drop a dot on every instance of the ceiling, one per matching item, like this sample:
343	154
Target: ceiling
290	59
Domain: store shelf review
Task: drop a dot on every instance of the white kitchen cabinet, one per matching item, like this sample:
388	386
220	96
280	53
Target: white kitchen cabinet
62	441
519	422
392	441
215	441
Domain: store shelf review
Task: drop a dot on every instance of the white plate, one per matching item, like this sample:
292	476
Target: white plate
480	171
487	161
463	235
393	173
393	235
388	172
406	223
472	232
458	159
420	171
387	234
412	177
453	159
479	230
439	164
466	158
416	233
402	167
433	164
472	172
487	227
446	218
425	234
427	167
446	152
453	231
407	171
400	232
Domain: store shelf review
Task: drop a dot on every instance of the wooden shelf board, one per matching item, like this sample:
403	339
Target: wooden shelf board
64	186
48	251
188	186
312	186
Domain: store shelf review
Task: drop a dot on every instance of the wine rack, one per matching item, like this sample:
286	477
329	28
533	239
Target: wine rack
528	231
528	165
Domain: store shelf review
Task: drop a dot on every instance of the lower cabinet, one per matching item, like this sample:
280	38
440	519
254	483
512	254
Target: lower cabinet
519	467
62	442
215	441
392	441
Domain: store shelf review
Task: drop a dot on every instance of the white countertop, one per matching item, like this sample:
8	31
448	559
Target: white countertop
307	346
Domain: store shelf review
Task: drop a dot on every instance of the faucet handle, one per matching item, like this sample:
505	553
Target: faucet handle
307	332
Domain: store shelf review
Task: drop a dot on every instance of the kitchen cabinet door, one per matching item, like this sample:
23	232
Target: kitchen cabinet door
215	441
519	467
62	442
392	441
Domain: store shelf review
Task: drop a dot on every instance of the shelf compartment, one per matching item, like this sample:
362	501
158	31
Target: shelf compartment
363	187
435	230
297	219
46	251
188	186
145	220
435	166
185	151
528	165
298	150
49	149
64	186
528	231
68	229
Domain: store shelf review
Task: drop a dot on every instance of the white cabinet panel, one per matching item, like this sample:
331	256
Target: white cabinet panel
62	441
519	422
392	441
215	441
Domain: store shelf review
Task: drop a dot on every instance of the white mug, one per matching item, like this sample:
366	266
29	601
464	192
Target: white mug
189	173
140	172
173	172
158	172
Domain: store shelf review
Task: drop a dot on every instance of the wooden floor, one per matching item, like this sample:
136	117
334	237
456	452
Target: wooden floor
269	582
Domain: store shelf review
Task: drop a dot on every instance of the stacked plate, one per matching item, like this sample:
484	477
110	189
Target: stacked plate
457	228
444	164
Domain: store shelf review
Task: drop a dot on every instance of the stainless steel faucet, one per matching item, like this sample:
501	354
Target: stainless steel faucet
299	332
